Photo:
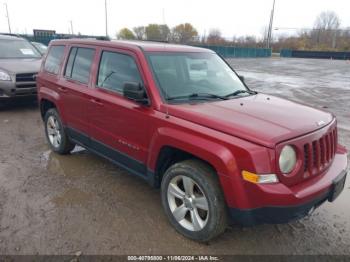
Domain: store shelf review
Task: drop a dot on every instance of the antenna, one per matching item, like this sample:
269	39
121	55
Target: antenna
166	87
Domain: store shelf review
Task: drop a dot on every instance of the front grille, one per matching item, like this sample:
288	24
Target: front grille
27	77
26	85
319	154
26	80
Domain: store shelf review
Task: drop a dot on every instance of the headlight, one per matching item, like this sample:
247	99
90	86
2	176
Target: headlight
288	159
4	76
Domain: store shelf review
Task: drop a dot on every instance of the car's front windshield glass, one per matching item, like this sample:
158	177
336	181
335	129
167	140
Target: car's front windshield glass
194	76
41	47
17	49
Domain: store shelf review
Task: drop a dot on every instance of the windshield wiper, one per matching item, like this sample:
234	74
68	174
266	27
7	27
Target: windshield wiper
241	92
198	96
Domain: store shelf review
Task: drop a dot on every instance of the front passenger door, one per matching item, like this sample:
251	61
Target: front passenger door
121	128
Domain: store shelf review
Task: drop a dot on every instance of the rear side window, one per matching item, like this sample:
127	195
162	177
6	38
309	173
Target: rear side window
79	64
116	69
54	59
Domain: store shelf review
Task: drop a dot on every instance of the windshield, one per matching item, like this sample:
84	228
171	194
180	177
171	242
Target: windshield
187	76
17	49
41	47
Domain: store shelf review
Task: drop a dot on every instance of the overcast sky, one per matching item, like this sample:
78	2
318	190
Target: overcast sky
232	17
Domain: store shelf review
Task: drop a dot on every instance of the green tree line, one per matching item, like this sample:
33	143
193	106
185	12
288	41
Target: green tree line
182	33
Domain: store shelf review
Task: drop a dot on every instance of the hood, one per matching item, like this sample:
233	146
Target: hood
26	65
262	119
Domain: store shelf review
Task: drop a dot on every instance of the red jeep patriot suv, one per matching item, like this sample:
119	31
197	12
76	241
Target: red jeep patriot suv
182	119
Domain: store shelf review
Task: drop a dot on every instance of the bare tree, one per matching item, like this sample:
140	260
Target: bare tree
215	37
139	32
326	29
327	20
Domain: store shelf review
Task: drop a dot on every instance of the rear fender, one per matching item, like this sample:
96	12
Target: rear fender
54	97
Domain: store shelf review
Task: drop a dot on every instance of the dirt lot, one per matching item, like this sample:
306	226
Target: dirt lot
51	204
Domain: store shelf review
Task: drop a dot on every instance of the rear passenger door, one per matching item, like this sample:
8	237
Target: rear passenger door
74	87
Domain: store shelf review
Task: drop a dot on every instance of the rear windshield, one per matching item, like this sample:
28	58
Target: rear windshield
17	49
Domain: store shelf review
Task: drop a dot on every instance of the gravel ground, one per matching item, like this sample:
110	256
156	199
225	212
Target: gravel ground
51	204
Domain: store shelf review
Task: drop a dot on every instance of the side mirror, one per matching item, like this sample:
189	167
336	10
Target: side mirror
241	77
135	91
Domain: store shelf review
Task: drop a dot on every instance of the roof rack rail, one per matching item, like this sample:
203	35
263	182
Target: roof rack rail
155	41
10	34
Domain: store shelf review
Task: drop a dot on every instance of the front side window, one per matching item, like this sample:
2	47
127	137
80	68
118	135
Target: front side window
185	76
17	49
116	69
79	64
54	59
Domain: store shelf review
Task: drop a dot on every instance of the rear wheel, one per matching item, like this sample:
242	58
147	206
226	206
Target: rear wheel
193	200
55	133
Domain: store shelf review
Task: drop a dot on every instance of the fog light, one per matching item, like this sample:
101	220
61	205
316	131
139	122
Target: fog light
259	179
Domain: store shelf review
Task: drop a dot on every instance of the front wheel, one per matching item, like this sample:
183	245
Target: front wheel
55	133
193	200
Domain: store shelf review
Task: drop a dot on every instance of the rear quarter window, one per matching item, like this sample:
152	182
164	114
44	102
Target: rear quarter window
79	64
54	59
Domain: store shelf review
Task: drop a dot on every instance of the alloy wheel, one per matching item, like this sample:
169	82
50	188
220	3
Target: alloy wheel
54	131
188	203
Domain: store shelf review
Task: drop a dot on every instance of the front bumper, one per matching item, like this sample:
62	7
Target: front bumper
10	90
278	214
283	204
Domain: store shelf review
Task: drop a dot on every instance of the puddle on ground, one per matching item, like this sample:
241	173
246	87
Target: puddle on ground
79	163
71	197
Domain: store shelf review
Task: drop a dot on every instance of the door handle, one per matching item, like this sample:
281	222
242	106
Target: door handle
96	101
63	89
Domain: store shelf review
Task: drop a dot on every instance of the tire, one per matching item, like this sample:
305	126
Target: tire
55	134
188	214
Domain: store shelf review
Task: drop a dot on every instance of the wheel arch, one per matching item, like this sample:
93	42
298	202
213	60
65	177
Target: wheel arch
170	146
49	98
45	105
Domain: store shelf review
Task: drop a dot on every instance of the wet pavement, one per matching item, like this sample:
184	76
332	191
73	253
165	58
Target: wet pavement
51	204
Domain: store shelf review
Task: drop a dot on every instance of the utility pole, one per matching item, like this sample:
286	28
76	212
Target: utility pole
269	34
106	17
71	27
8	18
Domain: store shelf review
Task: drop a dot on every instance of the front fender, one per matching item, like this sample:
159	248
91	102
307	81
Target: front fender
220	157
217	155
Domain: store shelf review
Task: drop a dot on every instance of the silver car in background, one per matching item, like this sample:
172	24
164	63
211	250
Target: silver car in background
41	47
19	63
